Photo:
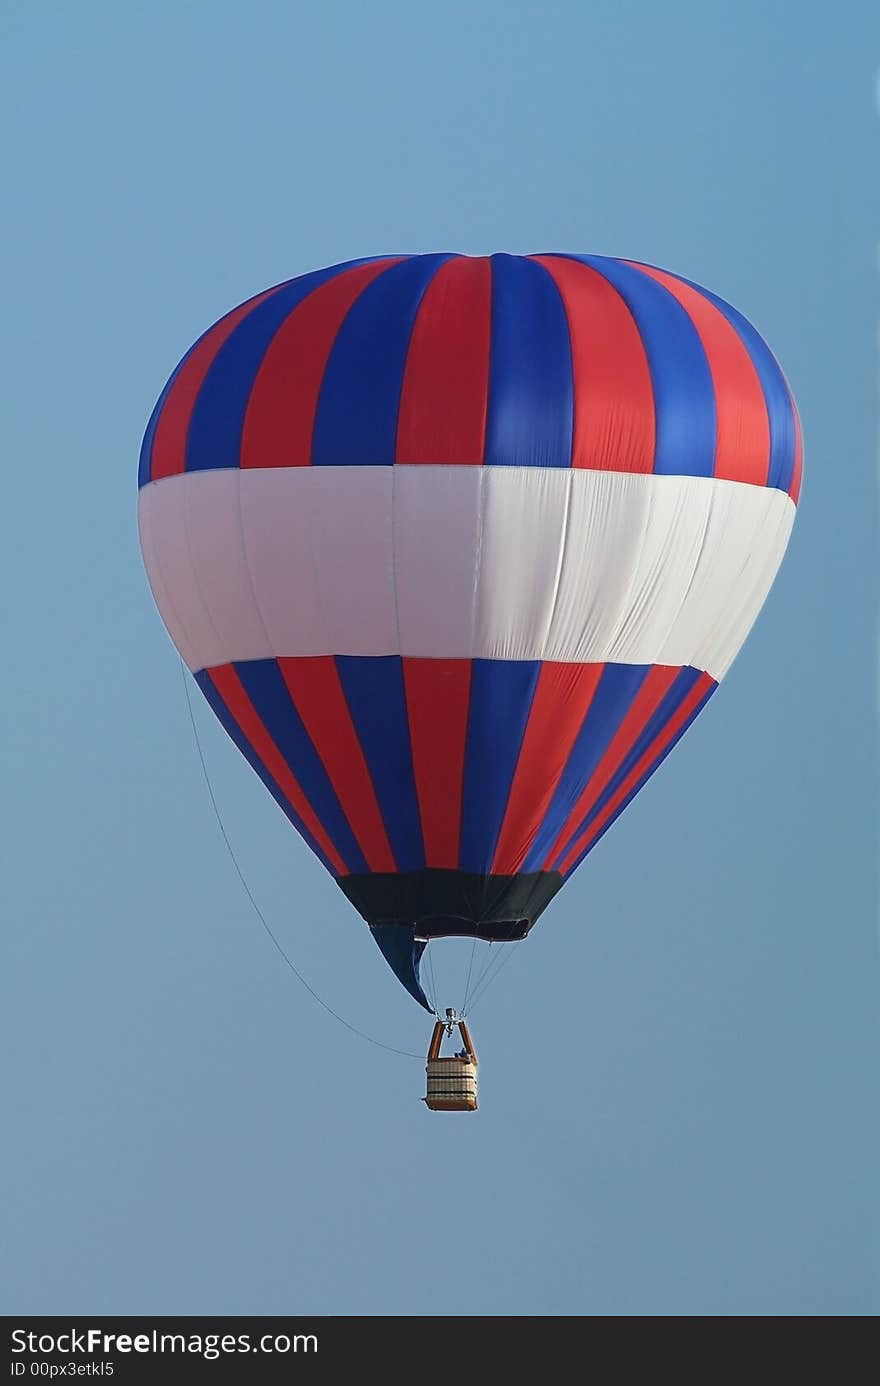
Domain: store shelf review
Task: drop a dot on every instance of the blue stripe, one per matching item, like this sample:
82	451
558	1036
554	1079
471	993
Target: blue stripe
403	954
233	731
146	456
615	693
145	465
356	416
667	708
264	684
500	703
530	412
643	781
780	412
214	436
374	691
684	395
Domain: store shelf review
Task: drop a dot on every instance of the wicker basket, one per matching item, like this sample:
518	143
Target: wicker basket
452	1082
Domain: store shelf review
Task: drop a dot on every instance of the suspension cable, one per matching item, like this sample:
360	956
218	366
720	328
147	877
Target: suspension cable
467	985
429	955
480	991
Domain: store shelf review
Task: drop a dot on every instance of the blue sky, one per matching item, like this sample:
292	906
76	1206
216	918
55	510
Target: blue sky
679	1078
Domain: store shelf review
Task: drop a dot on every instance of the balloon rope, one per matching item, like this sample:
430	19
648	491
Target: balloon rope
484	985
430	960
467	986
487	958
257	911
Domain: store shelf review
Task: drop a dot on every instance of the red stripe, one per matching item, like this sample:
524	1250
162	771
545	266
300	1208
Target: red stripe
280	415
658	680
653	753
562	698
798	471
614	421
442	415
231	690
437	695
316	690
169	443
742	448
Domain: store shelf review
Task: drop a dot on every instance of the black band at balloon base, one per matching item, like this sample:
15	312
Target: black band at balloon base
406	909
443	904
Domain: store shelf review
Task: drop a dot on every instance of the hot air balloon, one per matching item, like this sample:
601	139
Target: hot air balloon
456	549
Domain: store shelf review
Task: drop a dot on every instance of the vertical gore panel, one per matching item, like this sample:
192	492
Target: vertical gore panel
356	418
280	415
672	700
501	699
684	398
268	692
313	684
214	438
655	754
446	381
613	395
743	448
780	406
437	694
222	689
618	690
624	703
562	697
374	691
530	384
163	452
262	682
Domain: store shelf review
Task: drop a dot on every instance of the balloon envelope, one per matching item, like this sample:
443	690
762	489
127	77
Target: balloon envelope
457	548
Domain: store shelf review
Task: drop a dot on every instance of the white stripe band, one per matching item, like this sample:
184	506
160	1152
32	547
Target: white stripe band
461	561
